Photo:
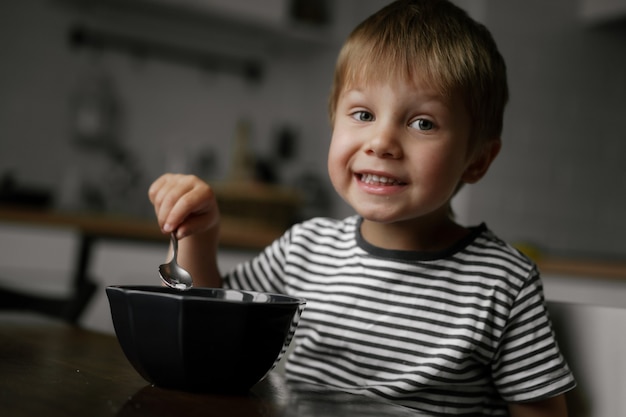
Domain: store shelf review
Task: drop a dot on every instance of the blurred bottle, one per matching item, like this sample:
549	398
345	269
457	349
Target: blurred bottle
96	108
242	164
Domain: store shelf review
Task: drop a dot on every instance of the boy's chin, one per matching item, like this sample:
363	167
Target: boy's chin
388	216
380	216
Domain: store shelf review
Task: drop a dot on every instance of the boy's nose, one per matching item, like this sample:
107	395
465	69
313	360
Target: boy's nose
384	145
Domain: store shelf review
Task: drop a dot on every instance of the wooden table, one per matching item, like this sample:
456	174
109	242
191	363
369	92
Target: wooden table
49	368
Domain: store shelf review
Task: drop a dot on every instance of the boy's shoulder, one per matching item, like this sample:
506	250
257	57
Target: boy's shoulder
495	251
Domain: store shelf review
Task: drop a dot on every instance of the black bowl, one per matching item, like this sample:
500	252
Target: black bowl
202	339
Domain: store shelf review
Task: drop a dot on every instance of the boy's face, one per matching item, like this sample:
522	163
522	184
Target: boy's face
398	151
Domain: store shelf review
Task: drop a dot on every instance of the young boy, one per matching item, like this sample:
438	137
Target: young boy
403	303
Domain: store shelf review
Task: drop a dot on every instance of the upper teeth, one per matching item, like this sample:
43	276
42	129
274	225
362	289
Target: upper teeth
377	179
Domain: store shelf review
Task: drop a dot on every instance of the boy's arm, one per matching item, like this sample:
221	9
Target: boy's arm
551	407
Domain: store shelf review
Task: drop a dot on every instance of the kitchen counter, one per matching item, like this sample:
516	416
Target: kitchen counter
234	233
255	235
588	268
251	234
94	230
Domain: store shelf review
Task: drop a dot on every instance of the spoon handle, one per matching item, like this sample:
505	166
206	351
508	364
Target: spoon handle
174	241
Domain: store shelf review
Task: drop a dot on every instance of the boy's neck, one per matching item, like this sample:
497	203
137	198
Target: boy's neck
418	235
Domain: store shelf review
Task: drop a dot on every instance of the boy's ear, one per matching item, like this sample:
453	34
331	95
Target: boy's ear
481	161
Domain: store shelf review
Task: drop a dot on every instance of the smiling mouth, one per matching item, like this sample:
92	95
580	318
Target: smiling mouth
372	179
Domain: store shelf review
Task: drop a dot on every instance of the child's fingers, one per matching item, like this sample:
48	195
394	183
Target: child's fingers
164	193
176	197
197	202
156	186
197	223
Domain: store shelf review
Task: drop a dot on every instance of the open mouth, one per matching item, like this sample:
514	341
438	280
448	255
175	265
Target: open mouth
372	179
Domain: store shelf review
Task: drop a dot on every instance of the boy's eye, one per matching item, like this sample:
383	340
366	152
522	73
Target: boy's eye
422	124
363	116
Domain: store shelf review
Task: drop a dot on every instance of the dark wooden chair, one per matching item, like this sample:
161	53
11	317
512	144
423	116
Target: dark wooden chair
40	272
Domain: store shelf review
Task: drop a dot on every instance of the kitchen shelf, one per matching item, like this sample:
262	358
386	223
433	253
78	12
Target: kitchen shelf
604	12
208	38
86	37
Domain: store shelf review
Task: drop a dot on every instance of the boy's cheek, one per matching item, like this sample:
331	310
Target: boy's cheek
339	157
338	165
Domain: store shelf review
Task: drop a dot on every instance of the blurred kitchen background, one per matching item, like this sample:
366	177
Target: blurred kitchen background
99	97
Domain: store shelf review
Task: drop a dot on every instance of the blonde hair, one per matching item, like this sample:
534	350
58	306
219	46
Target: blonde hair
430	41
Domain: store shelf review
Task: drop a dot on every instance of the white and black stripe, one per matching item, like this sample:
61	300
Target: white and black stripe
458	332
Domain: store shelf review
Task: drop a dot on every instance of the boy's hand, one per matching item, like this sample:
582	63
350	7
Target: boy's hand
184	203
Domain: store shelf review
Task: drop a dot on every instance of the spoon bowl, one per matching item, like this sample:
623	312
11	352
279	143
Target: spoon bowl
172	274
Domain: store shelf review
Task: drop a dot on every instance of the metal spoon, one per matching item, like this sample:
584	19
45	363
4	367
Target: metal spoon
172	274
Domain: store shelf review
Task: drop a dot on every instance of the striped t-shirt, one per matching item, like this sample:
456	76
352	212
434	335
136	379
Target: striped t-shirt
462	332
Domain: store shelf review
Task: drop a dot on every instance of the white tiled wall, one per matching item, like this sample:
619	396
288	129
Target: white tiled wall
606	292
593	339
37	259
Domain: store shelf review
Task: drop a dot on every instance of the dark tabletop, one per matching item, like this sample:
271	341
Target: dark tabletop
48	368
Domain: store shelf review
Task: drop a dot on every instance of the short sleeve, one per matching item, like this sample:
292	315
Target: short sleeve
528	365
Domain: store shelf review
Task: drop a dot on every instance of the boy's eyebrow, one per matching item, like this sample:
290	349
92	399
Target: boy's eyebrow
424	96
